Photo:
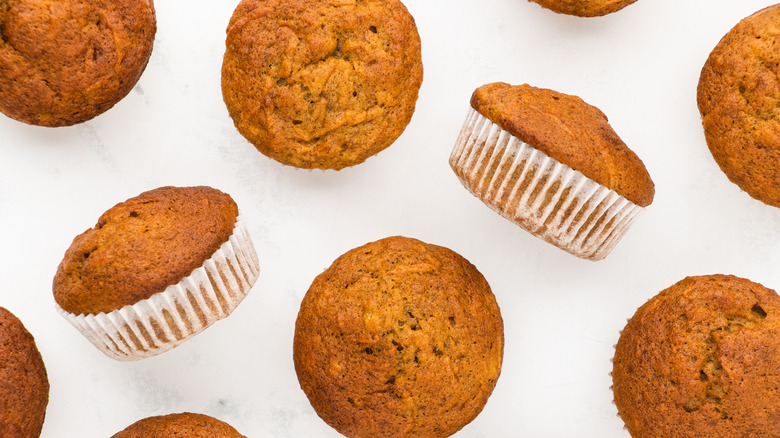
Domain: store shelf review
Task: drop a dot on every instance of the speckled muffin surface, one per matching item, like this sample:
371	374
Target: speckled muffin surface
24	385
321	84
141	246
569	130
398	338
584	8
738	97
702	359
65	62
184	425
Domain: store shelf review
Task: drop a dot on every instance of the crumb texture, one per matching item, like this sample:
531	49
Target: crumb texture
399	338
702	359
184	425
584	8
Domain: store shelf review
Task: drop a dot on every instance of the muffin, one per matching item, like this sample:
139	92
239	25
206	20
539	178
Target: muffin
184	425
584	8
321	84
398	338
552	164
24	386
65	63
738	96
701	359
156	270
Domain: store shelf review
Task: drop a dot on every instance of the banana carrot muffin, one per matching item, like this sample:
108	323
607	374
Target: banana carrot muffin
398	338
584	8
184	425
156	270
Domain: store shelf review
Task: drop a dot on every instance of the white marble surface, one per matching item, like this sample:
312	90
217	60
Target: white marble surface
562	315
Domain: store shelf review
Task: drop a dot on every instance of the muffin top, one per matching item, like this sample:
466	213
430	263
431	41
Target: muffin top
701	359
184	425
141	246
24	386
584	8
65	62
739	100
398	338
570	131
321	84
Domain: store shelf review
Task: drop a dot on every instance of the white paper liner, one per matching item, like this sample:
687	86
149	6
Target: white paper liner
168	318
545	197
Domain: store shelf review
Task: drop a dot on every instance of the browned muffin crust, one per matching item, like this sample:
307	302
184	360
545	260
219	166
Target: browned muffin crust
702	359
184	425
141	246
584	8
24	385
739	97
398	338
569	130
65	62
321	84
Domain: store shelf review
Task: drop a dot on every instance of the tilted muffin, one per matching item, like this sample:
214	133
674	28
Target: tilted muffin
551	163
398	338
156	270
701	359
66	62
24	385
184	425
738	96
321	84
584	8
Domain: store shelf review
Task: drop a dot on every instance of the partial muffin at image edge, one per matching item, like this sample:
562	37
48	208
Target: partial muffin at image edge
738	96
398	338
553	165
701	359
24	384
183	425
584	8
155	270
64	65
320	84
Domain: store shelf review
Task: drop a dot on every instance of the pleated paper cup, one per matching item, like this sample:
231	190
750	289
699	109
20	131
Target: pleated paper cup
543	196
168	318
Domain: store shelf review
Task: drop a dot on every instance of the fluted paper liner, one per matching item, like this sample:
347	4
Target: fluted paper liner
545	197
168	318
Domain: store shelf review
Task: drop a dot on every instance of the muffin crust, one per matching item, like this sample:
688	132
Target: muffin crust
184	425
584	8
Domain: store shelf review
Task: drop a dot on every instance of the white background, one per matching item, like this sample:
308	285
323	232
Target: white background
562	315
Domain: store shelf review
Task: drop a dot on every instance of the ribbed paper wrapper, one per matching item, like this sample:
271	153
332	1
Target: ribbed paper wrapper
545	197
168	318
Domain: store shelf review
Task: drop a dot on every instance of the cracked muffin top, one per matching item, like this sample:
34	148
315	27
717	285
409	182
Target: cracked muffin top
739	101
701	359
65	62
24	385
321	84
398	338
141	246
184	425
584	8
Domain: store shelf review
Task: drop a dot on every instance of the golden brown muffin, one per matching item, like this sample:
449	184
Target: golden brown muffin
24	385
702	359
398	338
584	8
65	62
569	130
739	97
321	84
184	425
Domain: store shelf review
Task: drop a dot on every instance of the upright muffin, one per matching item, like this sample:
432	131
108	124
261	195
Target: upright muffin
738	97
398	338
24	386
184	425
553	165
584	8
66	62
156	270
701	359
321	84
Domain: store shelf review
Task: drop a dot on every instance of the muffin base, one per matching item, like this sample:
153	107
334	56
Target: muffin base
540	194
168	318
